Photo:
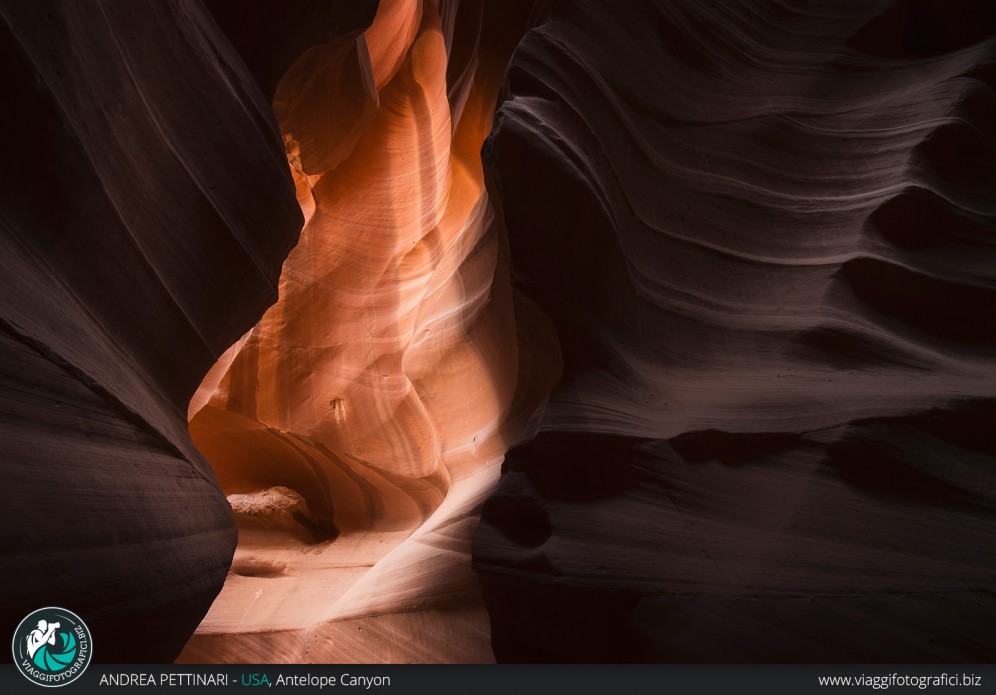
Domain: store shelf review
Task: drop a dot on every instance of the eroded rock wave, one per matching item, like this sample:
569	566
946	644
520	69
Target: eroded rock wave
384	385
765	234
145	212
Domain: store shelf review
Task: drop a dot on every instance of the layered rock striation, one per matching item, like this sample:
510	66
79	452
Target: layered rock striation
722	278
380	391
145	209
765	235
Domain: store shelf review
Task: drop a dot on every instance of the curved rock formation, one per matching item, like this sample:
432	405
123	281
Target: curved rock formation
765	234
144	215
382	387
750	338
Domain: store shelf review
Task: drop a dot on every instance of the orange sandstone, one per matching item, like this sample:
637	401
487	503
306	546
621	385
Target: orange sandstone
372	404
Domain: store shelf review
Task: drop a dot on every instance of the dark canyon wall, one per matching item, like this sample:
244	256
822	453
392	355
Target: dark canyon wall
145	209
765	233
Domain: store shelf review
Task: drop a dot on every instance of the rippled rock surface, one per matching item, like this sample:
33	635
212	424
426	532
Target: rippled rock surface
765	234
145	211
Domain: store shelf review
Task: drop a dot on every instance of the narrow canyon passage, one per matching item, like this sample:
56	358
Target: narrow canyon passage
359	425
516	330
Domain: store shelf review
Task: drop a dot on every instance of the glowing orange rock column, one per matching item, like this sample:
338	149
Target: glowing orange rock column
375	398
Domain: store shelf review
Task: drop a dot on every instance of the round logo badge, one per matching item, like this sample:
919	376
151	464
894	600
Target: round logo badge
52	647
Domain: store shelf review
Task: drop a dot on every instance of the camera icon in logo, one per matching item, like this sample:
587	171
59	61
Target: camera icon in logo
52	647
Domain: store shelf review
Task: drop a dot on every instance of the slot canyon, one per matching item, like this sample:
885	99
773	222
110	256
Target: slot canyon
463	331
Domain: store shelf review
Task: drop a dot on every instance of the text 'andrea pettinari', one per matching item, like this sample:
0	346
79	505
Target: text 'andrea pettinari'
249	680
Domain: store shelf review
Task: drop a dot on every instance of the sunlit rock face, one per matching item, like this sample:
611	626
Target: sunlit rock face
374	401
145	209
765	233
